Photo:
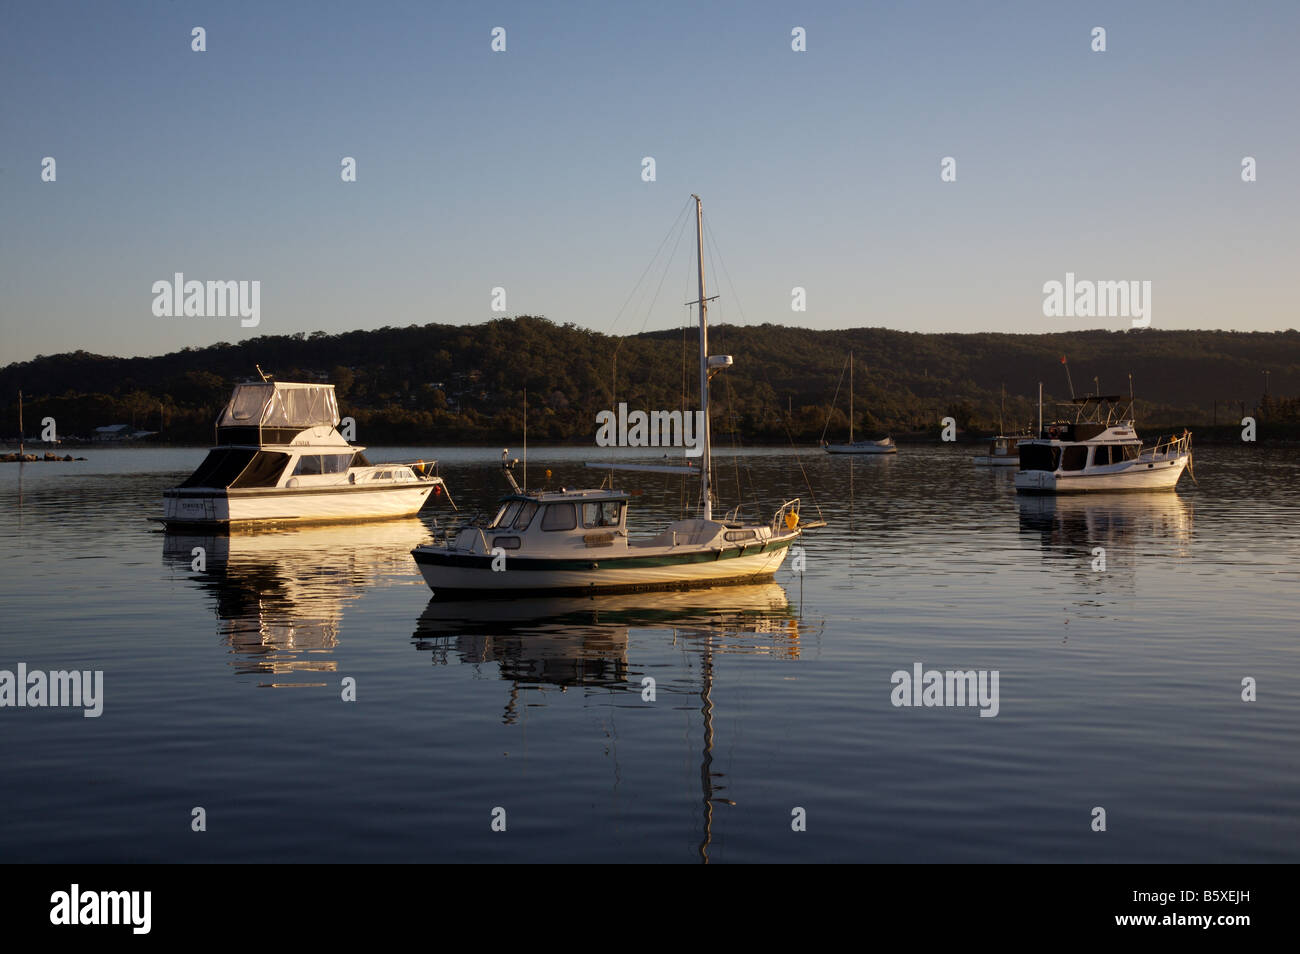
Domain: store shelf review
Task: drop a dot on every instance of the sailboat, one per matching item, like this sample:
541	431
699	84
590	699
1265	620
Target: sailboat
551	542
1002	448
885	446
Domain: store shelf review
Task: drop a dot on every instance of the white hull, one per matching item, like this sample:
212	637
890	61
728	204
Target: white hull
293	505
593	576
863	447
1139	475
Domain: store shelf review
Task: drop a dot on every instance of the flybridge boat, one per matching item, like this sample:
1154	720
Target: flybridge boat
279	459
577	541
1099	450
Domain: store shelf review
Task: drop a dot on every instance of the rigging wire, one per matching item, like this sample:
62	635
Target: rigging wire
831	412
678	227
785	424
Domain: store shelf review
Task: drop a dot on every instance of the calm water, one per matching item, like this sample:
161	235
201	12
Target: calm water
1119	689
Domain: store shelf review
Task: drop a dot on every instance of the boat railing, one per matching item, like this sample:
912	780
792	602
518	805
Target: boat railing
786	517
1169	448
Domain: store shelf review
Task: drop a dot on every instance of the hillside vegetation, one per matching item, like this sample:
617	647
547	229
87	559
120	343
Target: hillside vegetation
445	383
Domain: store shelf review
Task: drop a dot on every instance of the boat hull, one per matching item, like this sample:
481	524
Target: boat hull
861	449
290	505
450	573
1141	476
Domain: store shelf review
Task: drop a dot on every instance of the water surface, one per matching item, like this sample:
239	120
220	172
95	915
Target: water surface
223	687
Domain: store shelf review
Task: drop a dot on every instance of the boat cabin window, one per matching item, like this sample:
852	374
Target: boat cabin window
603	514
1039	457
559	516
220	468
1074	458
310	464
264	471
506	515
525	516
1114	454
506	543
1131	451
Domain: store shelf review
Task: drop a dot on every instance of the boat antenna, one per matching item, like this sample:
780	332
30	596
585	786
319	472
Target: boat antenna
1002	407
21	450
525	438
1067	376
265	377
1040	408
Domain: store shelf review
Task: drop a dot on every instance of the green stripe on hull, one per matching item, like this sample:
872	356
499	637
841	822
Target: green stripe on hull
470	562
613	589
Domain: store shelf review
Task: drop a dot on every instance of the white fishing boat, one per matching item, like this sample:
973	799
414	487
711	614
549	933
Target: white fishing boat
578	541
280	459
1096	448
1002	451
884	446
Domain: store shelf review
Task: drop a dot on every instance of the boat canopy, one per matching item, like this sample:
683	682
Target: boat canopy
281	404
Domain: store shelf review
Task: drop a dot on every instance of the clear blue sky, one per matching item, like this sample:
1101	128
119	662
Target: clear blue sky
523	169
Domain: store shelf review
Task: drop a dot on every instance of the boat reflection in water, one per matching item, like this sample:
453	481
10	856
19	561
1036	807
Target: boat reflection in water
585	641
280	596
1070	527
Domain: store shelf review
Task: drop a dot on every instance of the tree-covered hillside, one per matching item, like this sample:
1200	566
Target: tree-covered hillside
447	383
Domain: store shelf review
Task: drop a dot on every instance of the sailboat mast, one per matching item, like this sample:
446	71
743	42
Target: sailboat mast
706	483
850	397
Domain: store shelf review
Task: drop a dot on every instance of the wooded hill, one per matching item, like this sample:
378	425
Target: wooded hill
436	384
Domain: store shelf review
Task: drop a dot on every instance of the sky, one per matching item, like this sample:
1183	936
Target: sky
523	169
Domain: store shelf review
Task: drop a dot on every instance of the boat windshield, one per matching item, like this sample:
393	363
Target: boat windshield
506	515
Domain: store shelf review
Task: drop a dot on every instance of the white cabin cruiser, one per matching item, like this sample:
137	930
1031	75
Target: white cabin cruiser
279	459
577	541
1099	450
